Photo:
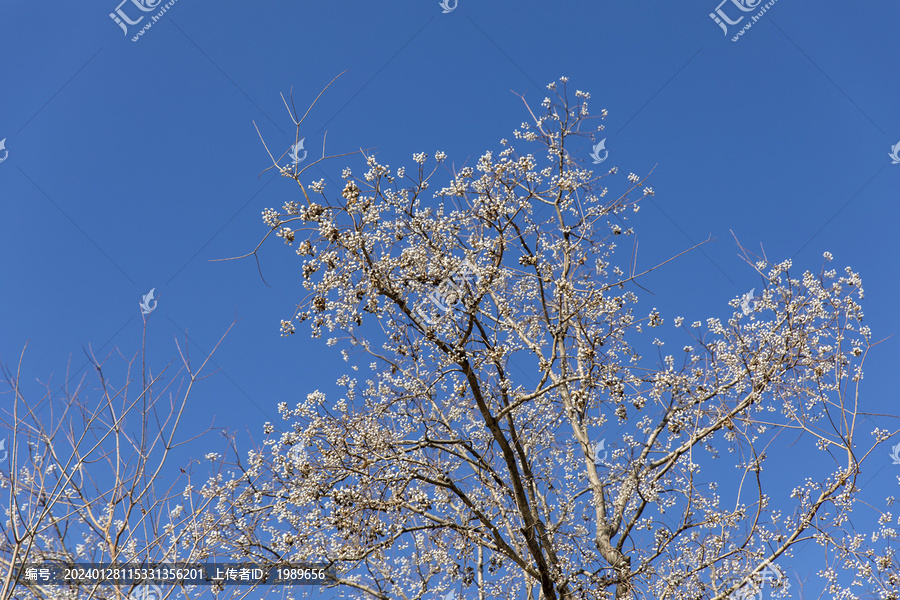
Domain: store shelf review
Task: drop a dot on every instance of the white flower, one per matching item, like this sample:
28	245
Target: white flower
286	233
439	156
827	255
350	191
270	218
420	158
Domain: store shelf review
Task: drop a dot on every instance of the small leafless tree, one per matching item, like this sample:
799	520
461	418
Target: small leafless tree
90	481
504	336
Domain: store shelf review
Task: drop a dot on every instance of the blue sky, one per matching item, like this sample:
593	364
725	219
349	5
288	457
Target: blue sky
132	165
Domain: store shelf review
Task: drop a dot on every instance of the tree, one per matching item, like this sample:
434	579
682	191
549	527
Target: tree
88	482
467	460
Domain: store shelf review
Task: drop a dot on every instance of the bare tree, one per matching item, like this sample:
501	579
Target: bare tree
91	481
503	338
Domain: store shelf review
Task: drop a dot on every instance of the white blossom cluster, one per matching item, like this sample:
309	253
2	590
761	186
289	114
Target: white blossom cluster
465	460
95	496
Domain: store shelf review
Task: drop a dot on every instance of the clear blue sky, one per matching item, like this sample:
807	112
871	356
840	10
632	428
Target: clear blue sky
131	165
